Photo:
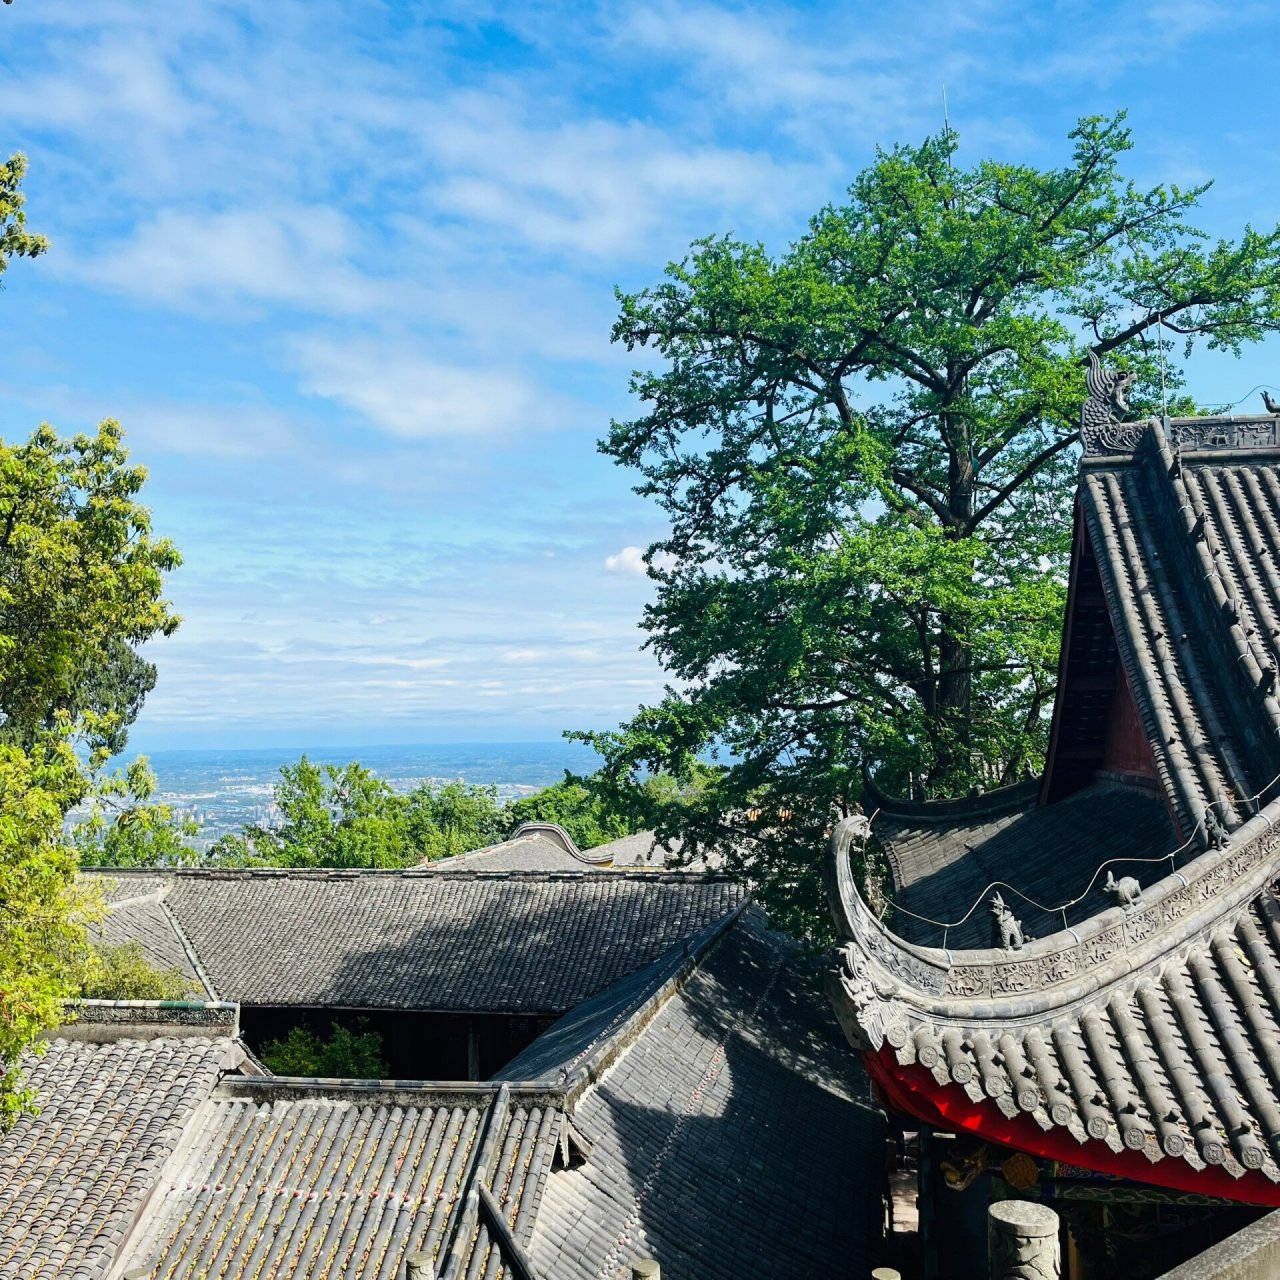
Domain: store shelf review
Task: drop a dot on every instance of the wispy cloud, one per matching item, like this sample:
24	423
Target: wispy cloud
409	393
292	257
345	269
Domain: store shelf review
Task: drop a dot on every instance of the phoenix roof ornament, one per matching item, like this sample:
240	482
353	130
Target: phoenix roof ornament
1101	412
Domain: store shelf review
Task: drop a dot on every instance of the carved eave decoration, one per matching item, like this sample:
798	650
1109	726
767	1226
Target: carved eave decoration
981	1019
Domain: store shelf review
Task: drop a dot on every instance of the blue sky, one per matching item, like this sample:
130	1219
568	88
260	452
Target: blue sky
344	271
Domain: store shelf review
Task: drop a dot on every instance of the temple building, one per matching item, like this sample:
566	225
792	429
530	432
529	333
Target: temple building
1074	994
602	1072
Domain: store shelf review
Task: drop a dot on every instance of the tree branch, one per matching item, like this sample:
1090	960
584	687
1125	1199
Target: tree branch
1019	479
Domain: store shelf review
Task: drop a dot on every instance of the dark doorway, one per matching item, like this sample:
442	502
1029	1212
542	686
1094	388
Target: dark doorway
416	1045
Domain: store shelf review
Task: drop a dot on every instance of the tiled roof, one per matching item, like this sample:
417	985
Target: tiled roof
586	1035
515	941
1182	1064
331	1180
143	918
728	1137
524	853
639	850
698	1111
1143	1035
1186	547
943	863
73	1177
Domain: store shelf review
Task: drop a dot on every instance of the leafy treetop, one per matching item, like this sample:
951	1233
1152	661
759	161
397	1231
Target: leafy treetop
864	449
15	240
348	1052
80	586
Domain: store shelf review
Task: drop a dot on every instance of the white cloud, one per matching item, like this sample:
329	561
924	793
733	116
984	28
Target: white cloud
405	391
601	187
835	77
630	560
296	257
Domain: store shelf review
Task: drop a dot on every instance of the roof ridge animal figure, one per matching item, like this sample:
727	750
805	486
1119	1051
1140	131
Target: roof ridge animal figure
1106	399
1124	892
1215	834
1272	405
1006	928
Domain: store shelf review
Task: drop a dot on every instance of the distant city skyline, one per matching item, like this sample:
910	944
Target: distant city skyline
344	272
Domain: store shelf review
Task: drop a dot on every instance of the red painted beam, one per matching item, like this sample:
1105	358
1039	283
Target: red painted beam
913	1090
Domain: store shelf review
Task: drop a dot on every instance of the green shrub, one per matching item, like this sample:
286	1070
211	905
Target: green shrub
350	1052
124	973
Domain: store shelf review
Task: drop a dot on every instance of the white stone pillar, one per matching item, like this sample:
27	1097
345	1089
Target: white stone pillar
1022	1241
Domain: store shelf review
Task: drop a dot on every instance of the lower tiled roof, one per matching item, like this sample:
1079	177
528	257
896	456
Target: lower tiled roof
729	1137
144	920
942	864
1150	1032
73	1176
530	852
520	942
329	1181
1183	1064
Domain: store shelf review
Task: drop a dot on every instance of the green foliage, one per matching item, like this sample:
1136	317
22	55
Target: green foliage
864	449
453	817
124	973
572	805
80	587
599	808
332	816
124	829
81	584
15	240
351	1053
346	816
44	950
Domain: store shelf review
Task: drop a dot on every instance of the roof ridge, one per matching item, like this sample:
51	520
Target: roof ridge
588	1066
988	803
430	871
1225	609
1048	975
186	945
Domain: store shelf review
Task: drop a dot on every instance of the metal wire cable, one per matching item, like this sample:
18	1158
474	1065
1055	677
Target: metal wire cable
1261	386
947	926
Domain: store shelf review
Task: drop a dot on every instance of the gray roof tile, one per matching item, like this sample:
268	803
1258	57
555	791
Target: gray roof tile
525	853
512	941
721	1136
146	922
1153	1028
942	866
1183	1063
73	1177
1186	552
329	1181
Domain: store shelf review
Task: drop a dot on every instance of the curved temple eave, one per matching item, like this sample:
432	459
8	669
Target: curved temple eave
907	1090
1067	966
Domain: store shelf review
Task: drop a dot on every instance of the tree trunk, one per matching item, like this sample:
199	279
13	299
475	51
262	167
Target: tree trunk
955	678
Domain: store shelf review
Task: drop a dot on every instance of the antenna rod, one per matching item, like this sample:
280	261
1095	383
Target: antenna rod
1164	398
946	122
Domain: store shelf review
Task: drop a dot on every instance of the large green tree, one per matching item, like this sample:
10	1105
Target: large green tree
865	451
81	580
329	816
81	577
